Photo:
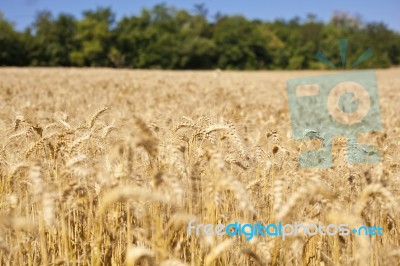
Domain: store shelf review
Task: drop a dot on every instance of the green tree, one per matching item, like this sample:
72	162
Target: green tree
241	44
53	40
169	38
131	39
160	39
196	48
13	49
94	38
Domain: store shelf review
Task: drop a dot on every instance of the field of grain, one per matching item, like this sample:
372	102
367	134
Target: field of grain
107	167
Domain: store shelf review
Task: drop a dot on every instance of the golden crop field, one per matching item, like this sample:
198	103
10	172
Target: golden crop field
107	167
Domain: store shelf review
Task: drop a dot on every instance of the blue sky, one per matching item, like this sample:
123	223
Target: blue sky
22	12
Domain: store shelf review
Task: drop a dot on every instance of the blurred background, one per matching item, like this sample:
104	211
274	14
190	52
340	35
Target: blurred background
245	35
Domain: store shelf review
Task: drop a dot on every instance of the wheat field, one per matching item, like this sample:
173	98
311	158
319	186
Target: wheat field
107	167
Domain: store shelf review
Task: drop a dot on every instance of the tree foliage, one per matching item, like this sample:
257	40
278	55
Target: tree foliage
169	38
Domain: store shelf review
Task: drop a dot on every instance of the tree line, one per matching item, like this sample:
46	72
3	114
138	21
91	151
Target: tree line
169	38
